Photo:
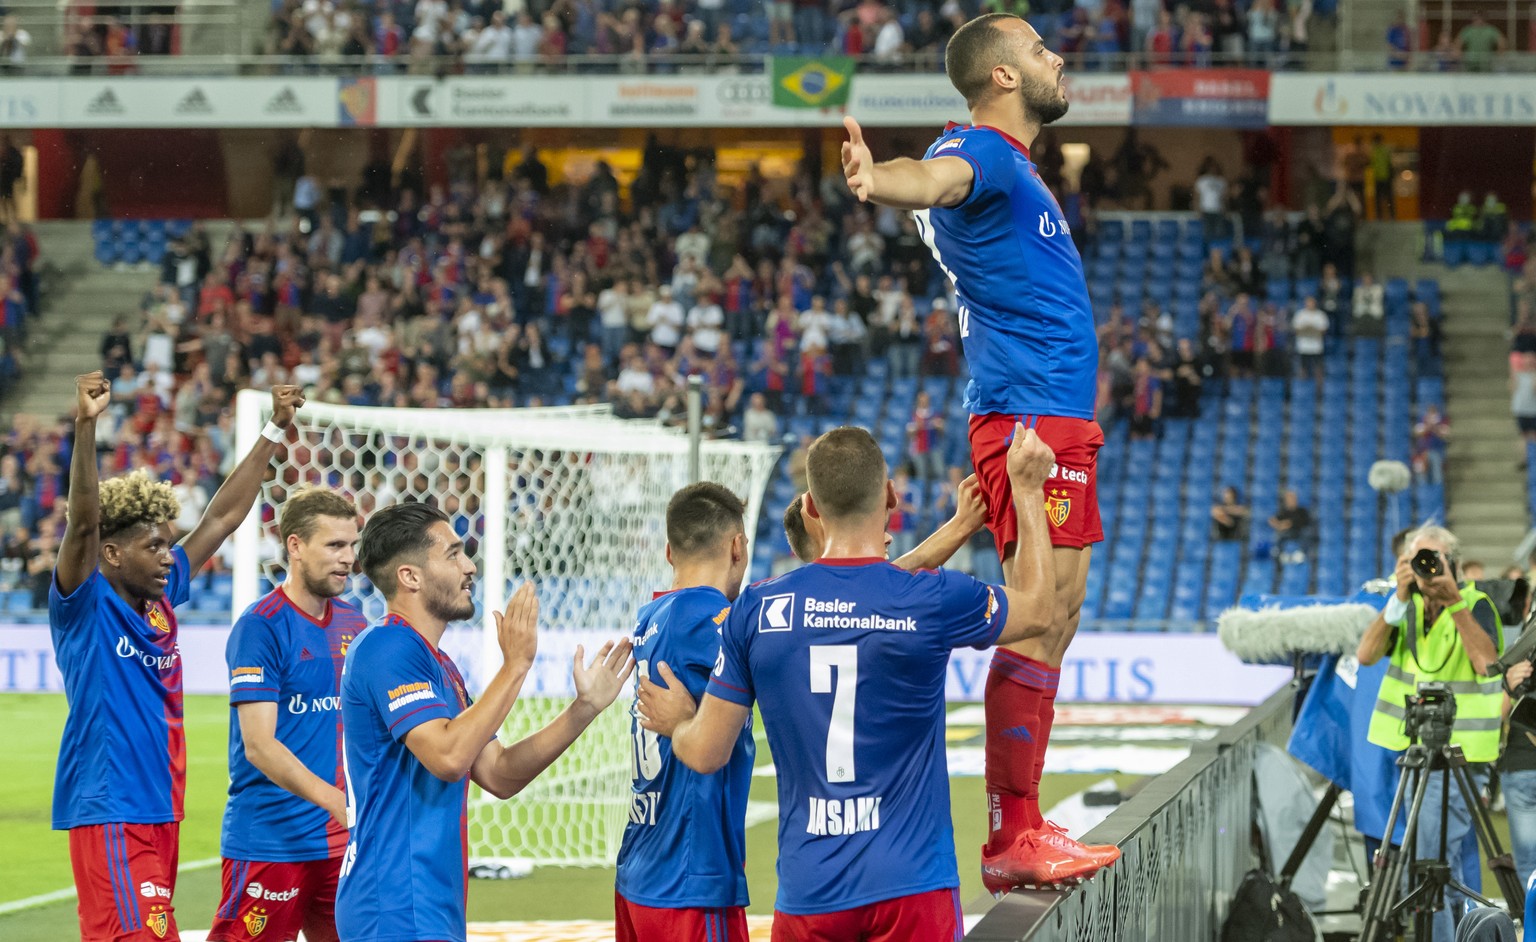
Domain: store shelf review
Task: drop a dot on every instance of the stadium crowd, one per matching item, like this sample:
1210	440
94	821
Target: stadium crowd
487	35
514	292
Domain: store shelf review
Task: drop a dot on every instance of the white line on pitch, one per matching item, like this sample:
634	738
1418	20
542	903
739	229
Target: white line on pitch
43	899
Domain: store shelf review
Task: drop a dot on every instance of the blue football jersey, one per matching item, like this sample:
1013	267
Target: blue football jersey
124	753
278	654
1025	321
847	660
685	844
403	873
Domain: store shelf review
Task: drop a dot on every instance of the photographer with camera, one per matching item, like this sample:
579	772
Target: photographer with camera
1434	630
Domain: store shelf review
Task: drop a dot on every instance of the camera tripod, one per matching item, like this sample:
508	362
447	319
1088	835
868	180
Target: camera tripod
1388	897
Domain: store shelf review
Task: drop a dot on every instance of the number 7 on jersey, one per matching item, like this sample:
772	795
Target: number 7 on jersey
844	660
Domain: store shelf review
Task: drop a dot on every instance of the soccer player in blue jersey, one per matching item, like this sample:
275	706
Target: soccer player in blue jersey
285	823
122	769
1028	333
847	658
414	740
682	861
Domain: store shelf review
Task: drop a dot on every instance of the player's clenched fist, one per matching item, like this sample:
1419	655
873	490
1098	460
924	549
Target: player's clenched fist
1029	458
92	394
858	165
517	629
970	508
286	400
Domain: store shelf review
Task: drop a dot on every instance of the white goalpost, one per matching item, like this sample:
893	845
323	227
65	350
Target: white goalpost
571	499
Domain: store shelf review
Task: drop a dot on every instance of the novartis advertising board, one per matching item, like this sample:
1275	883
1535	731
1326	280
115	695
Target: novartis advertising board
1401	99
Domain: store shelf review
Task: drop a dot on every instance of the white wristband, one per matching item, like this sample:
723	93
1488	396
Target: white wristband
274	434
1394	611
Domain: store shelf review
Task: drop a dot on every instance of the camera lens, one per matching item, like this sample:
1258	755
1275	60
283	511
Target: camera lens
1427	564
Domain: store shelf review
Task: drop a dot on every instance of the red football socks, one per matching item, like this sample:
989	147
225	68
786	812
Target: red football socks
1017	694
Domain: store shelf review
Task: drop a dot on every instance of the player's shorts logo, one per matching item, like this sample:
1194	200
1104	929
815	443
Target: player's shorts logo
255	920
159	921
157	620
1057	508
775	613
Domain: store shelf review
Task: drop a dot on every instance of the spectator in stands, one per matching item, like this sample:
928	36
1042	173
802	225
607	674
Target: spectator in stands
1147	404
1522	396
1339	219
1493	218
1211	190
1478	42
1229	516
1367	308
902	525
1292	525
1430	435
1333	299
1188	380
1424	336
925	437
1241	324
1399	42
1298	31
759	424
1381	177
941	356
12	177
1310	325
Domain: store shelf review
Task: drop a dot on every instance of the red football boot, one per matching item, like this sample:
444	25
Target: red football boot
1046	858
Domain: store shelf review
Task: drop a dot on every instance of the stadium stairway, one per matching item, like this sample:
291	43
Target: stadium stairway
1485	494
66	339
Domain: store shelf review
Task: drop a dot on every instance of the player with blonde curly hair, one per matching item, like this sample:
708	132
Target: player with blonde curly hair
122	765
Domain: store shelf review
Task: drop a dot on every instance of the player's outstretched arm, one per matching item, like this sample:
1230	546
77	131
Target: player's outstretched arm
506	770
1032	599
970	516
903	183
235	497
258	732
702	737
82	535
451	748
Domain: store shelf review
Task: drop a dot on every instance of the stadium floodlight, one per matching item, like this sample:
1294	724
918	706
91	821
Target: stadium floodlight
572	499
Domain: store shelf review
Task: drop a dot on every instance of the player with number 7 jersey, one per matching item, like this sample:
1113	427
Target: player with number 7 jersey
847	658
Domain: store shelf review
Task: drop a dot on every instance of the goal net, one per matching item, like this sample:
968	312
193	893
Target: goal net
571	499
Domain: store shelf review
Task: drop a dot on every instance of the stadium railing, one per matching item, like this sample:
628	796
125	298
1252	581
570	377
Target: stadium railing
1185	840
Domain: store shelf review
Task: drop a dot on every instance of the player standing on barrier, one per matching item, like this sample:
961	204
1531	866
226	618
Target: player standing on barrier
1028	334
285	826
847	657
414	741
681	867
122	773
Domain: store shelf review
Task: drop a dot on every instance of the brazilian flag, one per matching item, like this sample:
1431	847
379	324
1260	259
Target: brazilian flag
803	82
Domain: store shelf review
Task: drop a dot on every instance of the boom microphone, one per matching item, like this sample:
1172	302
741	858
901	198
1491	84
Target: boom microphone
1275	634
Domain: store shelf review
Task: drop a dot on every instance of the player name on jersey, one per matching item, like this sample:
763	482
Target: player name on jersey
839	817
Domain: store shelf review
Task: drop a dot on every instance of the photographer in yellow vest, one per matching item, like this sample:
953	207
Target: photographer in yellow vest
1436	629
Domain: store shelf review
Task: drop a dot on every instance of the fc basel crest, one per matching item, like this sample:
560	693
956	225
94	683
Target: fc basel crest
255	921
159	921
157	619
345	640
1058	508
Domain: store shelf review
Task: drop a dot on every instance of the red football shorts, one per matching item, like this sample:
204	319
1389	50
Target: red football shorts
275	900
125	875
1071	492
922	917
635	923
